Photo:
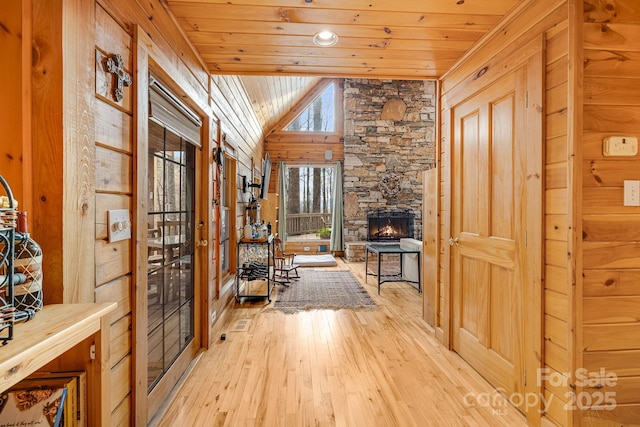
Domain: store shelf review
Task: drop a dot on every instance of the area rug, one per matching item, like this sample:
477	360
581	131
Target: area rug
316	290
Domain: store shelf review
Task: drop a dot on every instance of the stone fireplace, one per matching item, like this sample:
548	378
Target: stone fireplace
389	139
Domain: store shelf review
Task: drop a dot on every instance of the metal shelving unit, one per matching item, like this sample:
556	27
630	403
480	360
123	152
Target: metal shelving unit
255	262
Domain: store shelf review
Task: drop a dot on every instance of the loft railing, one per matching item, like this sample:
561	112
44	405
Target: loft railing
307	223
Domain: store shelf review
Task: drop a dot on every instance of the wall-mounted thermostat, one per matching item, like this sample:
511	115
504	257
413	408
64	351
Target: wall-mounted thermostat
620	146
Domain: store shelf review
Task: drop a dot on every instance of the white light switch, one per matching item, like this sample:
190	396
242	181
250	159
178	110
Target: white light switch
620	146
631	193
119	225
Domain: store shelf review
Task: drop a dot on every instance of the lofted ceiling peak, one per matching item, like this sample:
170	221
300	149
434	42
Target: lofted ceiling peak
272	97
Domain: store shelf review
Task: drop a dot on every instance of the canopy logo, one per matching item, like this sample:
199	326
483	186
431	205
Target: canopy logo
591	396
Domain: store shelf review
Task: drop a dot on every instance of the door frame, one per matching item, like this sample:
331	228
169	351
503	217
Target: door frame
532	56
144	61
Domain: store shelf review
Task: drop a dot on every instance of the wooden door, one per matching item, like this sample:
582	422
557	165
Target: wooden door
489	230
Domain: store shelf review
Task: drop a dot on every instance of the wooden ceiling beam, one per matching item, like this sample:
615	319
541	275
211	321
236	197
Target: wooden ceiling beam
362	72
393	31
305	153
299	137
228	11
334	52
417	63
494	7
200	38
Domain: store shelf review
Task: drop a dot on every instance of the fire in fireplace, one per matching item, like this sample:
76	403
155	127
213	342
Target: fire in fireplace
389	225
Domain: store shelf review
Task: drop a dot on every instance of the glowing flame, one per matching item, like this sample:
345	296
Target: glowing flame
387	231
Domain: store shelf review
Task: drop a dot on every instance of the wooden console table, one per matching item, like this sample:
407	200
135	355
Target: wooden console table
64	337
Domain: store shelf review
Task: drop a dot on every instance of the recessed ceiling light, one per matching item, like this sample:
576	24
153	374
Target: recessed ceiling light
325	38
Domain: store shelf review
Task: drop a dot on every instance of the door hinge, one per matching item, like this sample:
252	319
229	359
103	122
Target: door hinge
526	99
525	377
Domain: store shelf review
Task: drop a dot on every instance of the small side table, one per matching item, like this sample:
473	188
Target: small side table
390	249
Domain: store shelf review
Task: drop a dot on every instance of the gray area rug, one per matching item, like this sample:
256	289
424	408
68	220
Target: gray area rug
316	290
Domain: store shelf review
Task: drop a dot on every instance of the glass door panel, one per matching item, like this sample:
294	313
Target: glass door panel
170	240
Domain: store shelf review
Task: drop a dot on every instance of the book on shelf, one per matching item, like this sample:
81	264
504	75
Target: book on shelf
74	405
80	404
37	402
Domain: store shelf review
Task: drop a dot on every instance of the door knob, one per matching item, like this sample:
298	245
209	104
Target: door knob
454	241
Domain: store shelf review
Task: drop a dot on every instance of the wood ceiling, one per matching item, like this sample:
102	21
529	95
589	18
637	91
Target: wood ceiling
272	97
403	39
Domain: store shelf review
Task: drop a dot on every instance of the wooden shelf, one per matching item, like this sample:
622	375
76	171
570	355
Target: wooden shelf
57	330
256	240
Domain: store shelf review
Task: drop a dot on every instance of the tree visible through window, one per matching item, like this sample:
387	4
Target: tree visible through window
309	200
319	116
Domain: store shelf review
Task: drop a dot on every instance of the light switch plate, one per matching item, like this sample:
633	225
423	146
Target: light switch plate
119	225
631	193
620	146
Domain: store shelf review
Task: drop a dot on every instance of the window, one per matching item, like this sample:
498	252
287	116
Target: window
309	202
227	213
319	116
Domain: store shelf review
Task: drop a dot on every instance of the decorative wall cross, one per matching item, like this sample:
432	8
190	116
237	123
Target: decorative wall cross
115	66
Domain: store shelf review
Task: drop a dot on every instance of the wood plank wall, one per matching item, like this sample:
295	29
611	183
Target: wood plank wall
53	143
548	19
14	108
558	271
241	129
114	187
610	301
442	309
430	211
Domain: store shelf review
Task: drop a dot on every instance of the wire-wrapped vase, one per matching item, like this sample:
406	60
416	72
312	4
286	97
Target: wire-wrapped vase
27	264
7	233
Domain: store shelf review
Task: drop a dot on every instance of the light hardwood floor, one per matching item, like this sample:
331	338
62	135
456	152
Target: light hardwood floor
379	367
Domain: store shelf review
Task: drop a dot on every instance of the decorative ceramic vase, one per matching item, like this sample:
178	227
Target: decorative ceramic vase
27	264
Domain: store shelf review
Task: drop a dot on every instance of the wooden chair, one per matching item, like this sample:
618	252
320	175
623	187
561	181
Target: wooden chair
284	268
154	264
154	256
172	229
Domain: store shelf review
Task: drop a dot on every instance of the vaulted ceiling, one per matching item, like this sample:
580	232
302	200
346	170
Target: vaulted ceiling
400	39
273	96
